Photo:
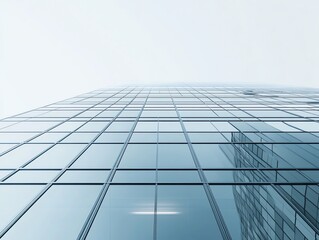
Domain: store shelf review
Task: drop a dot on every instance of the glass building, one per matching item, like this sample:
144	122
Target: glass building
164	163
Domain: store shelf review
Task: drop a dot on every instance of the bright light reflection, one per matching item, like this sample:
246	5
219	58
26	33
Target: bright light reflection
158	213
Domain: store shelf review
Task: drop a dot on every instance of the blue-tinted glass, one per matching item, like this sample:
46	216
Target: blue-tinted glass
226	201
30	176
79	138
112	138
122	176
127	212
139	156
84	176
61	207
13	199
98	156
183	212
172	137
120	126
207	138
213	155
21	155
16	137
57	157
49	138
144	137
178	176
174	156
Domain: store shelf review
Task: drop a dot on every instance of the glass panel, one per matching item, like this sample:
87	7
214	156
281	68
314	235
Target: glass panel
16	137
80	138
170	126
131	207
19	156
61	207
57	157
138	176
139	156
5	147
212	155
174	156
4	173
120	126
183	212
84	176
226	201
146	126
207	137
112	138
172	137
178	176
13	199
199	127
49	138
93	127
30	176
144	137
98	156
67	127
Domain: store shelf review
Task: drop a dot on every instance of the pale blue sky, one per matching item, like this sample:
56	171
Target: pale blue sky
51	50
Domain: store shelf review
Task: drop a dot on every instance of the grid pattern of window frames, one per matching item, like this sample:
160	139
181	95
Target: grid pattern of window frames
162	163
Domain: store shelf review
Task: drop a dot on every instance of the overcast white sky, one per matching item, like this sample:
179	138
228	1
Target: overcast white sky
54	49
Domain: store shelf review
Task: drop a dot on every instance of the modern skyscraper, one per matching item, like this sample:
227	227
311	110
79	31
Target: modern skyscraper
164	163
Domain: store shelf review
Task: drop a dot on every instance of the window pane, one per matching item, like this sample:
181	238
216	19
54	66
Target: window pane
122	176
172	137
178	176
17	157
112	138
79	138
183	212
49	138
13	199
174	156
144	137
212	155
84	176
98	156
57	157
30	176
127	212
61	207
139	156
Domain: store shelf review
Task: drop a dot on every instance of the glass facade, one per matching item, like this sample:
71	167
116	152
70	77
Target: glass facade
163	163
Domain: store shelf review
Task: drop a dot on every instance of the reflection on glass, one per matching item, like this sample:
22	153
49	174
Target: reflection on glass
139	156
84	176
59	214
57	157
226	202
127	212
30	176
178	176
138	176
174	156
21	155
13	199
98	156
188	214
213	155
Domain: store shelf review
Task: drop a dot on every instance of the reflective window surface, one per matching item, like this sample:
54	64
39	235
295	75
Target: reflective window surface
163	163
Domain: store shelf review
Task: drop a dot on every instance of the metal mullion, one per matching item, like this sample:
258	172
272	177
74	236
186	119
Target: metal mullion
156	186
53	144
211	199
91	217
34	200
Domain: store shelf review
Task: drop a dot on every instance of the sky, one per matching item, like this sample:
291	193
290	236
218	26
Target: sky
55	49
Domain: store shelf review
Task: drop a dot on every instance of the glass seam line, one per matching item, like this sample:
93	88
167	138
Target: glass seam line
218	217
37	197
94	211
